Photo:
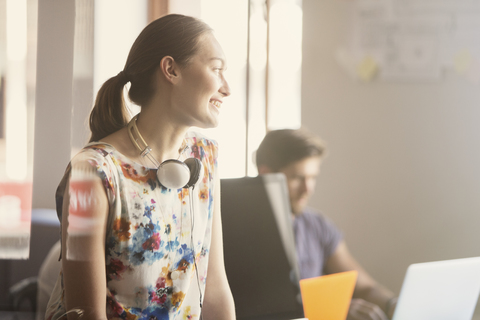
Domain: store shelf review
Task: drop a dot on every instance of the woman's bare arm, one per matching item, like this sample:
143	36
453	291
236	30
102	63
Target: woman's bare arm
218	303
83	257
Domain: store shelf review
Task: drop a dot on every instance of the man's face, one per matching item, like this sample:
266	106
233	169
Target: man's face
301	179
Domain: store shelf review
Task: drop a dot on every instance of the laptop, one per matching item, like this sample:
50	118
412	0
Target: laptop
328	296
259	248
440	290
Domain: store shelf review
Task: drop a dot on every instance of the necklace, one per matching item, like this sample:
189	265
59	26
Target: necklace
171	173
142	146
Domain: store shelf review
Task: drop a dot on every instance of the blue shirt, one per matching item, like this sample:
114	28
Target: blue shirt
316	239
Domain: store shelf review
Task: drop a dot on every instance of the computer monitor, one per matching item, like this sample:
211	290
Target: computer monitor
259	248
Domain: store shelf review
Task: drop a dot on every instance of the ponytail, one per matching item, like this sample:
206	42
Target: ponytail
109	113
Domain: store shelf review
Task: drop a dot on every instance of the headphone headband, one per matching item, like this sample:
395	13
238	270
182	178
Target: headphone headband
145	151
172	174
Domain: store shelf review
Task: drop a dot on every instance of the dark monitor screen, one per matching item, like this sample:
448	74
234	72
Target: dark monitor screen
259	248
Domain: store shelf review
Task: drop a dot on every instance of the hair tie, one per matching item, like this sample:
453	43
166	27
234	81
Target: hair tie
123	76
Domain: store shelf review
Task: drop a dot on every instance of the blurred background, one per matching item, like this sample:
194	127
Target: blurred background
392	86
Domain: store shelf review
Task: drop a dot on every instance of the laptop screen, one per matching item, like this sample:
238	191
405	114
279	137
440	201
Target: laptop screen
259	248
439	290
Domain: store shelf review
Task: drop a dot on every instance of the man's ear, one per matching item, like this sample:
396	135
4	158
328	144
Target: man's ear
264	169
169	69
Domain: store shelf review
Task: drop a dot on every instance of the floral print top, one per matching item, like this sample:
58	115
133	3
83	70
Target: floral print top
155	238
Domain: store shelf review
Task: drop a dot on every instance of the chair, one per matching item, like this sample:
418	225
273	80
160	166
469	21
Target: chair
22	296
47	278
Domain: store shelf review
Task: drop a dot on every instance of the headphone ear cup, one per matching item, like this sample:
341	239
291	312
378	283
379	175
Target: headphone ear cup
195	167
173	174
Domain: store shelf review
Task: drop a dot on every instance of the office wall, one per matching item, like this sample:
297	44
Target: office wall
402	179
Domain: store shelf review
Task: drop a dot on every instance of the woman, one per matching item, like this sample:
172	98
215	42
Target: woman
136	243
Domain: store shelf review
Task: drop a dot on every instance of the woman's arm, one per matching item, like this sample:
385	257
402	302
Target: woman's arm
83	256
218	303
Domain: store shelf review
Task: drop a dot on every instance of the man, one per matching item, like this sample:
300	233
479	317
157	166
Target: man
320	247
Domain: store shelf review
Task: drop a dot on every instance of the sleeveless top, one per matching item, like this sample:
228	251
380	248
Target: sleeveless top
156	238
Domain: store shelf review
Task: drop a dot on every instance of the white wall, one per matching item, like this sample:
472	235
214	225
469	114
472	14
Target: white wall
402	178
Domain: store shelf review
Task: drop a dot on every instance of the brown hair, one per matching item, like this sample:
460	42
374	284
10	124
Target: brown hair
279	148
173	35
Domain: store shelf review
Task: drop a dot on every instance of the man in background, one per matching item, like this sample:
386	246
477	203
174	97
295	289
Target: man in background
320	246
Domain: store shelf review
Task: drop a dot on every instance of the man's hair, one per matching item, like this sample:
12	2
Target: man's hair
279	148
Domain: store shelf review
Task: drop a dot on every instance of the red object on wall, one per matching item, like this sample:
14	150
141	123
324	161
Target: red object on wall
21	190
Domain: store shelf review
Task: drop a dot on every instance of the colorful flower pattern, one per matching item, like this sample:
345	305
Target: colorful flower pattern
150	255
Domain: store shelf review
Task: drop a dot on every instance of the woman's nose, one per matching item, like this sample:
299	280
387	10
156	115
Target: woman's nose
225	88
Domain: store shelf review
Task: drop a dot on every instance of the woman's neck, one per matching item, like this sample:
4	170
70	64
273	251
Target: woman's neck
162	135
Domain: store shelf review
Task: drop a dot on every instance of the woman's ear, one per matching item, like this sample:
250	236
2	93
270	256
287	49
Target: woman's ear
169	69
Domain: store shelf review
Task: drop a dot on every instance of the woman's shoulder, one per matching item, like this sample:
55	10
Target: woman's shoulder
98	147
198	138
93	150
202	147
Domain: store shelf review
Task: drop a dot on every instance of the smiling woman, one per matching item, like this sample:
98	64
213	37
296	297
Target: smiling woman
144	246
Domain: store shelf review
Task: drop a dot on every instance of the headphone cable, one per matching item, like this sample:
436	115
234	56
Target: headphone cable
192	219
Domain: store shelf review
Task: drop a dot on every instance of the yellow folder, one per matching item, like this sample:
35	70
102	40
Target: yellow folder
328	297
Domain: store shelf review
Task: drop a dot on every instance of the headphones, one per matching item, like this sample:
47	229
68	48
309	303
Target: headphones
171	173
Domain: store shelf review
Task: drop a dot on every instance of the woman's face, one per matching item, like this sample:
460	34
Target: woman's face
201	88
